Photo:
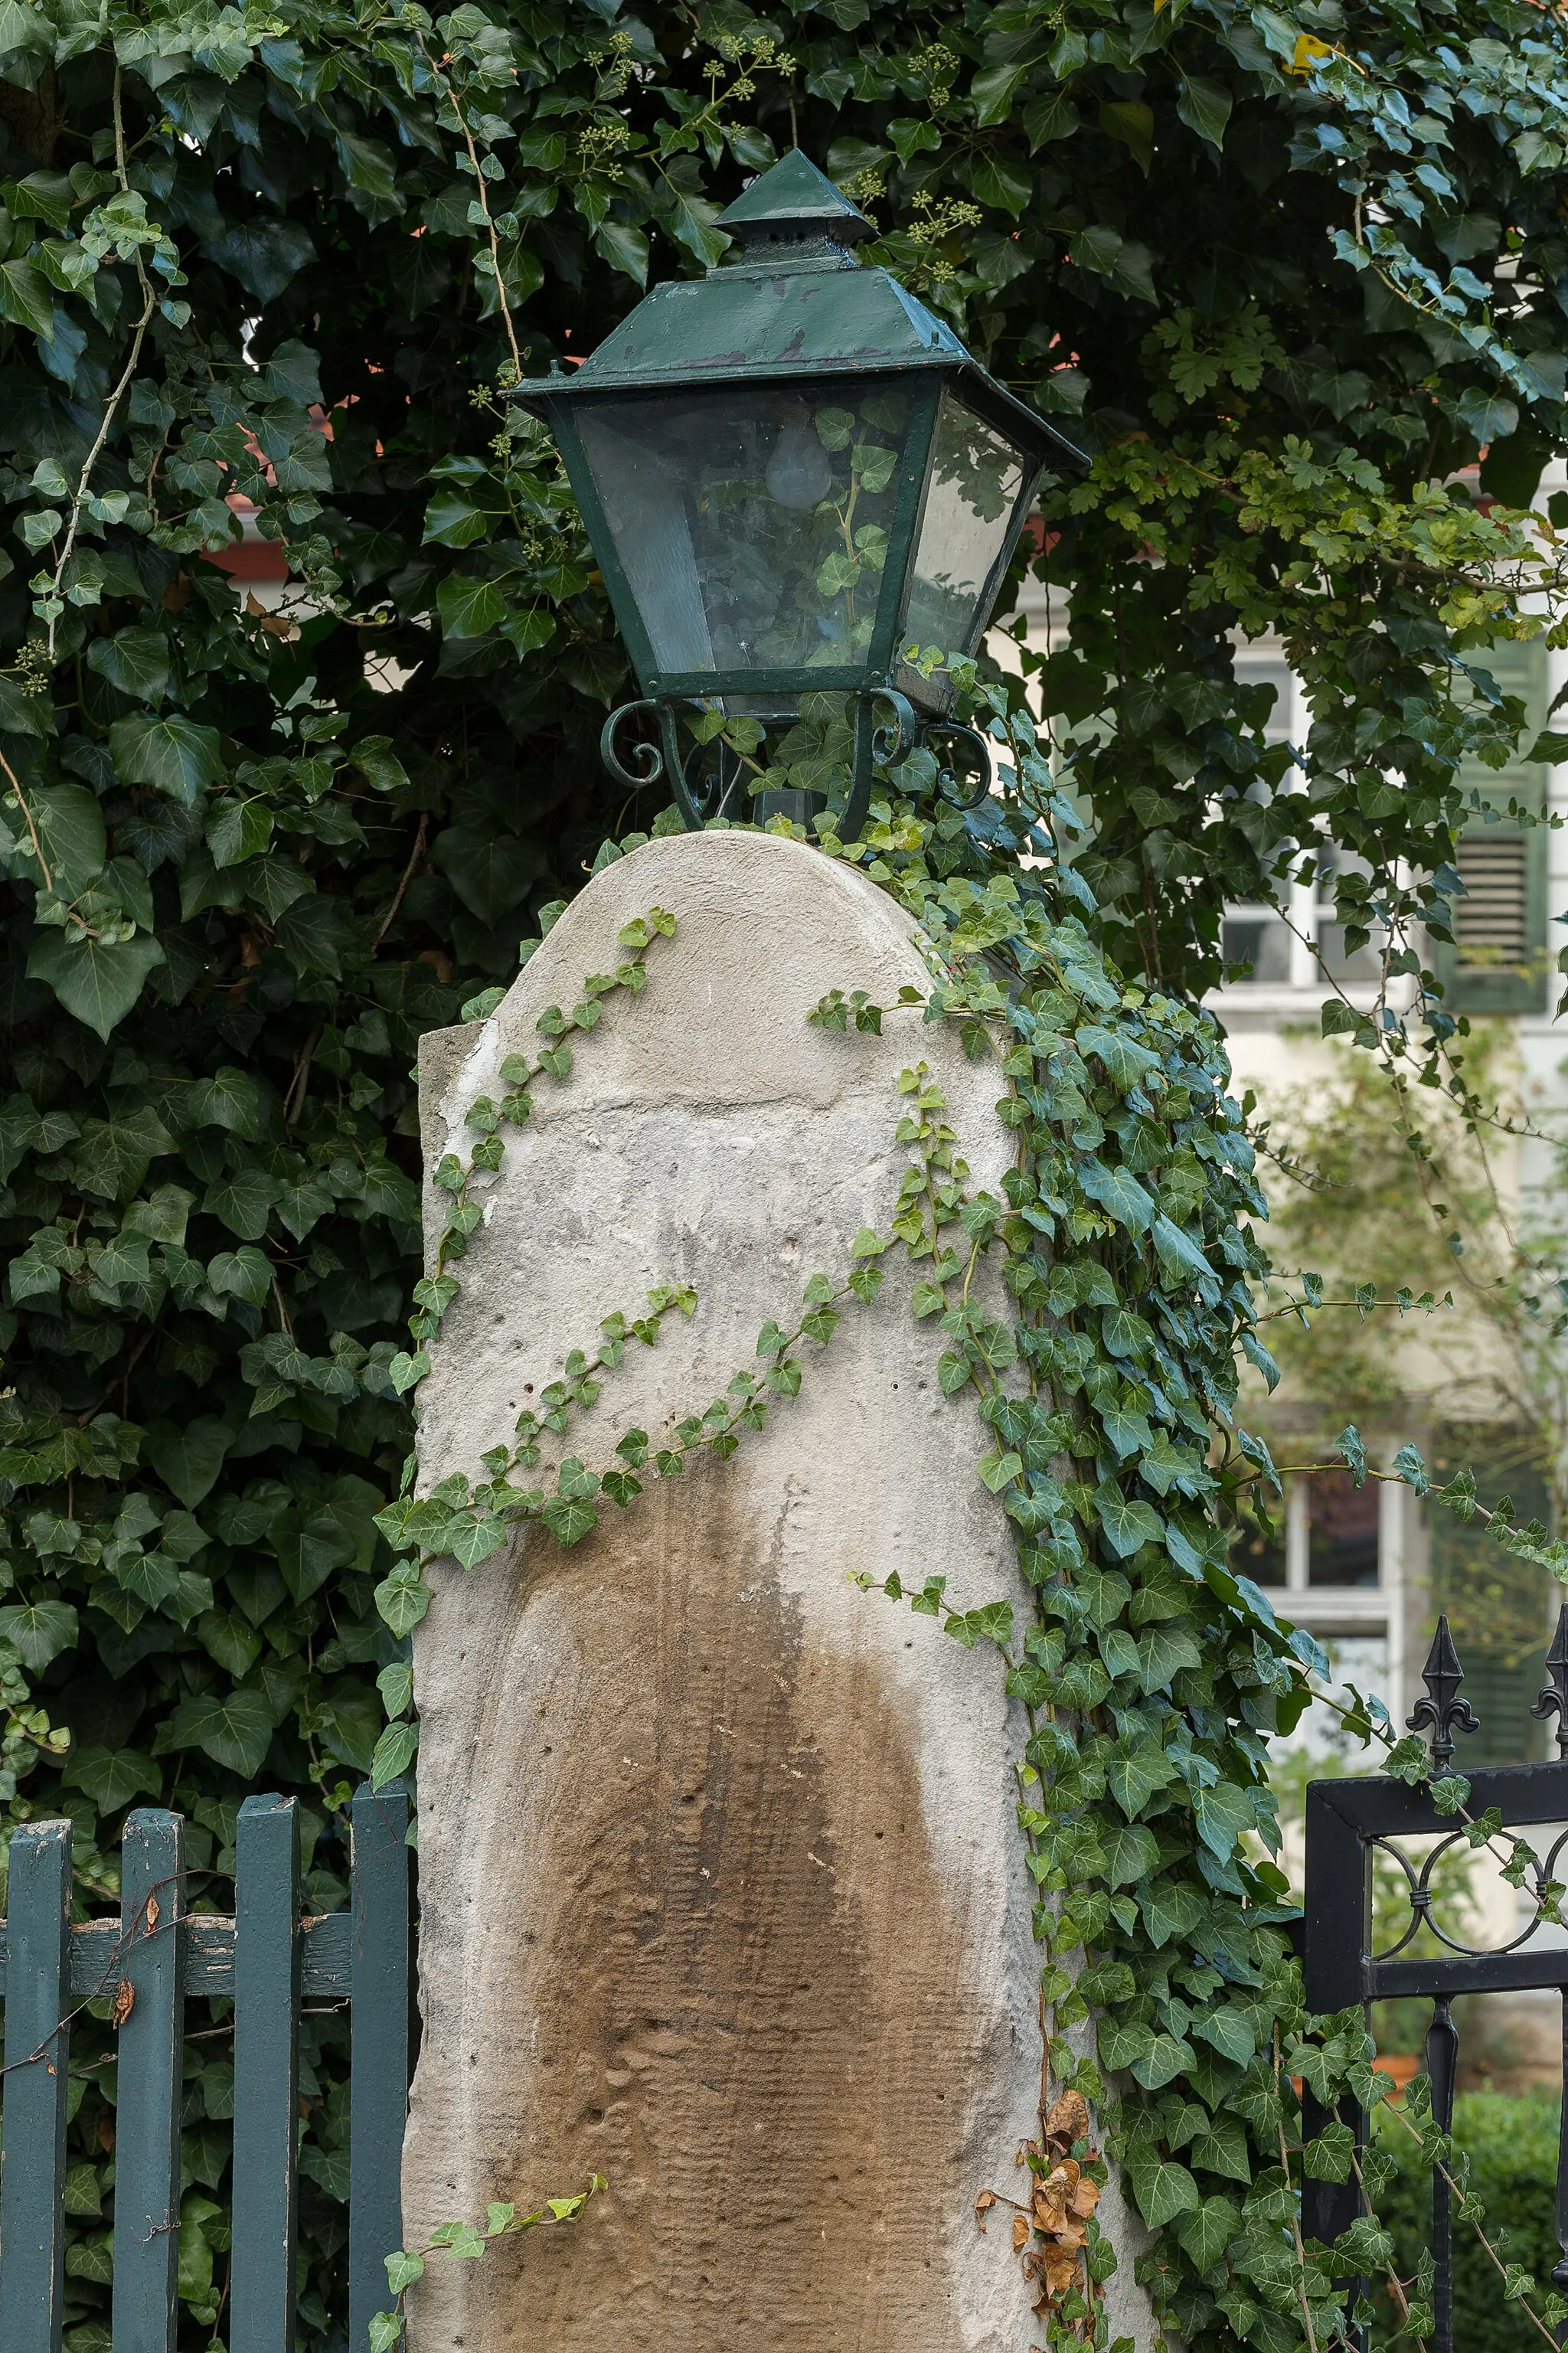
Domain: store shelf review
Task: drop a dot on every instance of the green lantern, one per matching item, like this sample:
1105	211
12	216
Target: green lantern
791	471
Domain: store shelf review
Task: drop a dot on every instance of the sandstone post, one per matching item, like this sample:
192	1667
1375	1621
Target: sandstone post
722	1892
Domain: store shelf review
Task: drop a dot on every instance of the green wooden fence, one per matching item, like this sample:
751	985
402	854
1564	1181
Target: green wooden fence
268	1960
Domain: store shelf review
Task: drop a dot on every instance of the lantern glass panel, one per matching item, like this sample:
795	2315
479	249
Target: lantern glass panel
977	478
751	526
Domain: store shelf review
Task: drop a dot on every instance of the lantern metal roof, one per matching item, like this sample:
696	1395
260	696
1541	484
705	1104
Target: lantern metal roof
795	302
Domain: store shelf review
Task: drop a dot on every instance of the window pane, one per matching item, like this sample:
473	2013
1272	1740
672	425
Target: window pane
1277	674
975	484
1256	1555
1499	1608
1260	940
1360	964
751	526
1342	1530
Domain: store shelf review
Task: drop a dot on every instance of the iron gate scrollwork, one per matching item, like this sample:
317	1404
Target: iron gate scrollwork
1348	1823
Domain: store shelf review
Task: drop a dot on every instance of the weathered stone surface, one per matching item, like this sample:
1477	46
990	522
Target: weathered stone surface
722	1894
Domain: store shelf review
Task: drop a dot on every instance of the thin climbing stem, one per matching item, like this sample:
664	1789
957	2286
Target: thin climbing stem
27	818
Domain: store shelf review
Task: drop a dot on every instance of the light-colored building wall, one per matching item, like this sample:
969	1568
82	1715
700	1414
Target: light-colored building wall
1377	1627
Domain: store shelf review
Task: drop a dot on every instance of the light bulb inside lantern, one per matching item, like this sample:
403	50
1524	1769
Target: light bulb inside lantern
800	471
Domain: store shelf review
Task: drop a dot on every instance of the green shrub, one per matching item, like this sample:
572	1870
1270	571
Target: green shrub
1510	2139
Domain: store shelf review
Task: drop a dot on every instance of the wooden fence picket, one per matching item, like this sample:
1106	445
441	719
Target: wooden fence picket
149	2088
150	1961
378	2093
266	2076
37	2057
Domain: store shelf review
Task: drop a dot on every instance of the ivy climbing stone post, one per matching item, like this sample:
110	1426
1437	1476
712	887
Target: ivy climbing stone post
722	1892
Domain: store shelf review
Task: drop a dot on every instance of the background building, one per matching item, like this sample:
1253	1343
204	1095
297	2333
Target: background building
1368	1571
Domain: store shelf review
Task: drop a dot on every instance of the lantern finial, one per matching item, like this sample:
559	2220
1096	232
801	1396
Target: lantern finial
793	204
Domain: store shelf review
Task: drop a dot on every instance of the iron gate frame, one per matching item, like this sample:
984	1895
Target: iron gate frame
1347	1820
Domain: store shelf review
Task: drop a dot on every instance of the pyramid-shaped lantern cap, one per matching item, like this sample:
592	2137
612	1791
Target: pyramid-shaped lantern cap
791	204
789	469
788	300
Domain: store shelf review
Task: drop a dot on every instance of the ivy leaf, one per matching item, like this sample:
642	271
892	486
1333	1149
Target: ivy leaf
1222	1812
1489	416
998	182
1351	1449
569	1518
25	298
1204	2231
1120	1195
1129	1524
402	1599
1179	1250
1119	1650
162	1216
188	1456
98	981
70	820
1228	2030
1163	2188
136	662
1204	107
235	1730
1134	1775
1162	1653
174	756
452	519
471	1540
393	1754
245	1273
112	1155
38	1630
624	248
1219	2145
1165	2060
997	1470
1126	1062
264	255
468	607
491	871
301	1203
243	1202
1122	2042
229	1100
1131	1852
238	829
113	1777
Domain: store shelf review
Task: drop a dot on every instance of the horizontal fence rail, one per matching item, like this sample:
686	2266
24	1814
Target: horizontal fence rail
270	1962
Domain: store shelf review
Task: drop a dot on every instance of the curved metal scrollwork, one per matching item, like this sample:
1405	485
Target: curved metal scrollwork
1425	1897
895	742
947	780
646	758
646	763
1441	1713
877	741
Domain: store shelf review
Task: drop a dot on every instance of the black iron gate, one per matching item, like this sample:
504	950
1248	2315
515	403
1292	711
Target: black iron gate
1347	1822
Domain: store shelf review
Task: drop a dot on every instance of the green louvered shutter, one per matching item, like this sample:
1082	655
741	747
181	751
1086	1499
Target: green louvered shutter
1498	960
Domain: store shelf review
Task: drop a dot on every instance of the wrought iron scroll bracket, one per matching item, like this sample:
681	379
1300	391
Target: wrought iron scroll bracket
947	781
646	763
875	741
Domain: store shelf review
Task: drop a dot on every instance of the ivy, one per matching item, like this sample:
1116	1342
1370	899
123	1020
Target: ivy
1278	268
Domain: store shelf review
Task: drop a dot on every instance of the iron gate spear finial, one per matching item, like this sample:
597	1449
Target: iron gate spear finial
1554	1699
1443	1712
